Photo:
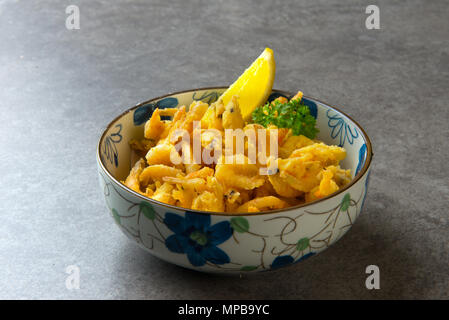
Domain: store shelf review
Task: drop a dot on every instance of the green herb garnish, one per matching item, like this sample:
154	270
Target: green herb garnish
293	115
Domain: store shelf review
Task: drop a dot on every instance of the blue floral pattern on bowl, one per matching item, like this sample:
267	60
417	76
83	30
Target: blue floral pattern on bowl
110	145
144	112
207	97
195	236
341	130
286	260
362	157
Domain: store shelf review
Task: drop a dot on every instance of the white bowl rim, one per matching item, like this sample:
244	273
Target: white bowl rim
359	175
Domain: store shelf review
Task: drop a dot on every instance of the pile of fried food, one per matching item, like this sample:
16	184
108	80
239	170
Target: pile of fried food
306	169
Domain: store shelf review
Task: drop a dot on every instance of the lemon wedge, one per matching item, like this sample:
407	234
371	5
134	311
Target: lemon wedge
254	86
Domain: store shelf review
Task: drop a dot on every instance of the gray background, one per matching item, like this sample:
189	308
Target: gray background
60	88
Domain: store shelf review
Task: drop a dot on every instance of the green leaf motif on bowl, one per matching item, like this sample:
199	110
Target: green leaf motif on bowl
115	215
240	224
345	202
147	210
248	268
302	244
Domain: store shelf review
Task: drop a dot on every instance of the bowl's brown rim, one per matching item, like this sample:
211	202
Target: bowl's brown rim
346	187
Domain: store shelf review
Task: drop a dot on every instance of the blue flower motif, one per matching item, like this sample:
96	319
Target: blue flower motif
286	260
109	147
207	97
282	261
143	113
367	179
195	236
366	189
362	155
341	129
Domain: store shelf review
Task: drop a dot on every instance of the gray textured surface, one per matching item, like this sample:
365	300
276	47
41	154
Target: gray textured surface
59	88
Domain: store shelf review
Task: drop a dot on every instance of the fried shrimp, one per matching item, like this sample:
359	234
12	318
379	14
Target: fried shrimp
244	175
262	204
290	168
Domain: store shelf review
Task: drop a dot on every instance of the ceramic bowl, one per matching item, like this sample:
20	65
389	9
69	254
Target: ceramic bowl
233	243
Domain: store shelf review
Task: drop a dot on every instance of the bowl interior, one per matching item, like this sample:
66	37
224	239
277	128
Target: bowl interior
335	128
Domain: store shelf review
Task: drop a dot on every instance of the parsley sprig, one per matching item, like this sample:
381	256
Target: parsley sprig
293	115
